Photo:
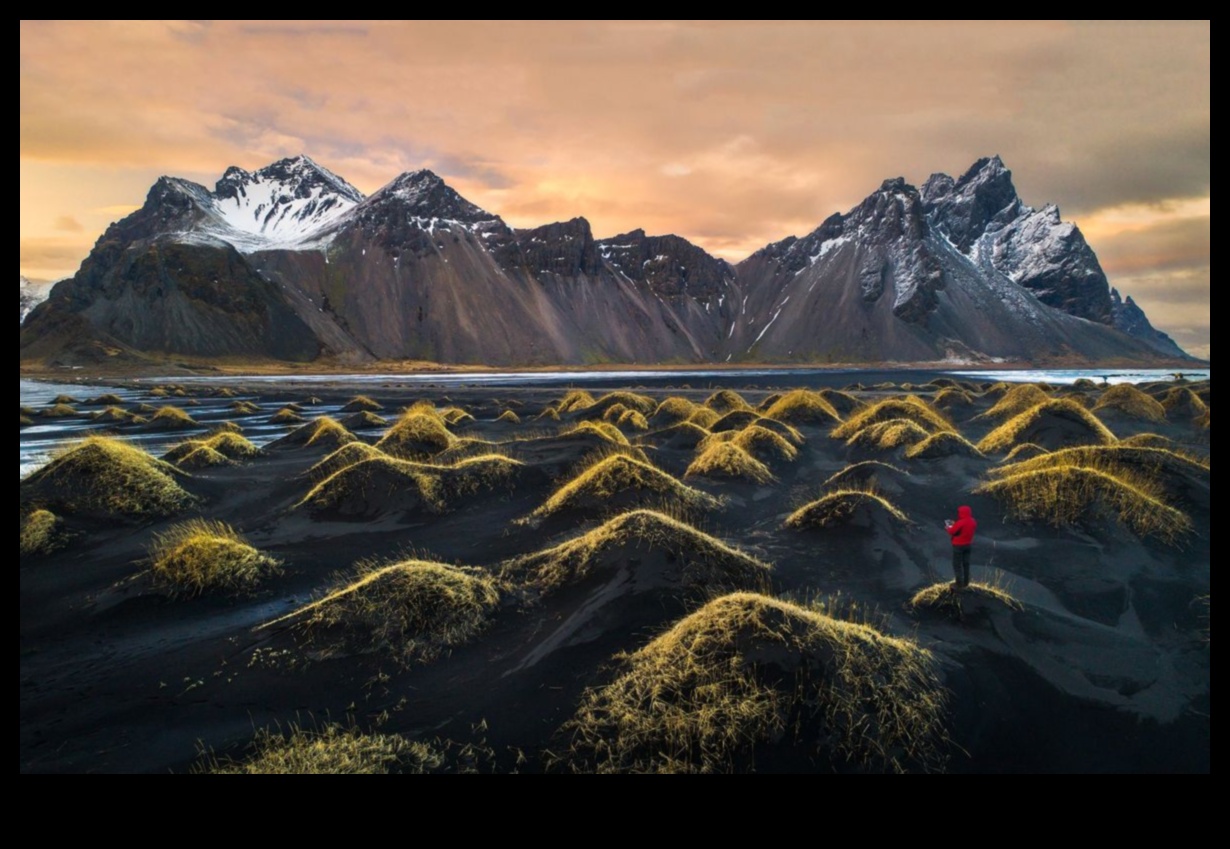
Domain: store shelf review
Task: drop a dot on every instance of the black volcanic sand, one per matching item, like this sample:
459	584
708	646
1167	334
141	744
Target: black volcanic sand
1104	668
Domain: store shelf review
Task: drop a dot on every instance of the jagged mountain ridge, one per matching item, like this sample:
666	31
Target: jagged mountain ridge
292	262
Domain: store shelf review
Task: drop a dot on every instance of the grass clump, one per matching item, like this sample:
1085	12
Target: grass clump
342	458
643	404
1023	451
382	484
945	598
951	399
672	410
633	420
1181	402
575	401
414	610
746	671
604	430
702	561
455	416
200	555
613	412
203	457
171	418
843	402
107	399
331	750
1051	424
1146	440
735	420
38	532
858	475
803	406
1065	494
726	401
57	411
764	444
843	506
704	417
887	435
624	478
1016	400
1127	399
111	414
286	416
419	433
229	445
910	408
107	477
323	432
359	403
65	399
944	444
364	420
549	413
508	416
681	435
244	408
727	460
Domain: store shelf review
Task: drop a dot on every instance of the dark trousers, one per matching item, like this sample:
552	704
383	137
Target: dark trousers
960	564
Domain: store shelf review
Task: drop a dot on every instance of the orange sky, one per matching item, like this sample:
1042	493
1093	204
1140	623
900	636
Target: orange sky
731	135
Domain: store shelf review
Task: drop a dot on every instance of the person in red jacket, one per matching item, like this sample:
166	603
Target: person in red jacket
962	533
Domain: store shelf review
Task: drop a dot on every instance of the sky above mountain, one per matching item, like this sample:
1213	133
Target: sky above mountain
731	135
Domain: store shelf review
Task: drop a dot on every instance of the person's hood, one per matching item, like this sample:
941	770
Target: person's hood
963	512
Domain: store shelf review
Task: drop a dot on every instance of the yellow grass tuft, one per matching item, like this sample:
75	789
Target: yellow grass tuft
1051	424
604	430
945	444
418	434
705	562
364	420
382	483
1023	451
1181	402
726	401
322	432
549	413
111	414
945	598
508	416
202	457
359	403
843	402
200	555
1016	400
888	434
38	532
620	475
574	401
415	610
285	416
951	399
747	670
105	476
735	420
344	457
703	417
859	475
331	750
108	399
1065	494
171	417
840	506
1146	440
1127	399
673	410
681	435
803	406
244	408
1111	458
633	420
643	404
455	416
727	460
909	408
65	399
613	412
764	444
57	411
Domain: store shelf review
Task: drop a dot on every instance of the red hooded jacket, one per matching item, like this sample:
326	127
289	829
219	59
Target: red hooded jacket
962	530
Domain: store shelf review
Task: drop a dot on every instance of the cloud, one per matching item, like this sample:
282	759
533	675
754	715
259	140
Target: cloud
67	222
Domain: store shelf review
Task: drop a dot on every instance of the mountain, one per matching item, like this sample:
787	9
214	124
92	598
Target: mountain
291	262
32	294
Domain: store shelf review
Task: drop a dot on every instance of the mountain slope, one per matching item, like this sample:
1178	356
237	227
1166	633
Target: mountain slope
291	262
